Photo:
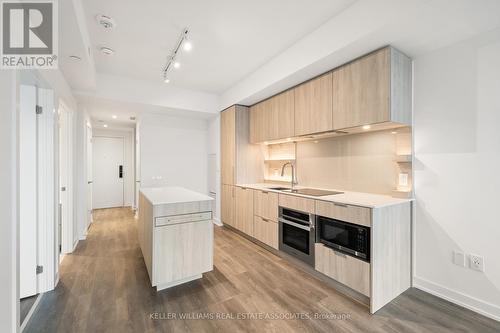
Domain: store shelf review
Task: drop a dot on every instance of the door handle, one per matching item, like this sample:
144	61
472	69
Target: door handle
120	171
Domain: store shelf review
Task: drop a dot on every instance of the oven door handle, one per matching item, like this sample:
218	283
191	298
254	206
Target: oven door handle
293	224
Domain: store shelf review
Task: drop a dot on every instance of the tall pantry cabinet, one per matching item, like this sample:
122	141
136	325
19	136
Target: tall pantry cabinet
241	163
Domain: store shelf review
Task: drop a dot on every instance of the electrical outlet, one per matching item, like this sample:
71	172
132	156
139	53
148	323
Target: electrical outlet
477	262
459	258
403	179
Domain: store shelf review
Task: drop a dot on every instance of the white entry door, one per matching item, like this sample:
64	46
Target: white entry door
27	192
107	173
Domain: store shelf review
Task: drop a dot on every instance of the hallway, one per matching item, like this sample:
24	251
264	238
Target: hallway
104	287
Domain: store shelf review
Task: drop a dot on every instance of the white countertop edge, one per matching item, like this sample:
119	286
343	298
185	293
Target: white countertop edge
348	197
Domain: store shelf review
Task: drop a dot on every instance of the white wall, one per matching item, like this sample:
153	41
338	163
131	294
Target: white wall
9	289
128	159
173	152
457	151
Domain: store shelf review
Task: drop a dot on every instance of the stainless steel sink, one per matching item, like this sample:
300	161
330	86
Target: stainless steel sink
305	191
280	188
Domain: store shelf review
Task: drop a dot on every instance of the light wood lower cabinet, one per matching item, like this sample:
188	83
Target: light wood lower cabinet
266	205
266	231
228	204
297	203
345	269
244	210
342	212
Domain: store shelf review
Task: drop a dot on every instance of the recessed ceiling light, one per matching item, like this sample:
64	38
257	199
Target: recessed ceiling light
107	51
114	116
394	132
187	45
105	125
177	64
167	80
366	127
105	21
74	57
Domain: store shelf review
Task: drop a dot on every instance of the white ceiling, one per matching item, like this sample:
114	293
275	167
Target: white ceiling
243	51
102	110
230	38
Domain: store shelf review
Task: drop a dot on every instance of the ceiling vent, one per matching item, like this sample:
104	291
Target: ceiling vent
105	21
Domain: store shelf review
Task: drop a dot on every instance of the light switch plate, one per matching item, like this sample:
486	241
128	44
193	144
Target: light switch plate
459	258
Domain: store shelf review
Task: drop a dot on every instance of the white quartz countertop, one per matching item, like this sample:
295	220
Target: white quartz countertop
350	198
172	195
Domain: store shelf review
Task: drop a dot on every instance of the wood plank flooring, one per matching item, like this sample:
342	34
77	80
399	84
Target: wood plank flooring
104	287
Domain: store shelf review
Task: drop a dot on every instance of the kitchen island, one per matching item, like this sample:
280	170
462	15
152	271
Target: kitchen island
175	232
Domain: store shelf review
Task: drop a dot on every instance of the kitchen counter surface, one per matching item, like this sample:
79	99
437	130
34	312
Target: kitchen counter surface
351	198
172	194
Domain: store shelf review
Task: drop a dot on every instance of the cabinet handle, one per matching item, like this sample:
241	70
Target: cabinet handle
265	220
340	205
340	254
265	192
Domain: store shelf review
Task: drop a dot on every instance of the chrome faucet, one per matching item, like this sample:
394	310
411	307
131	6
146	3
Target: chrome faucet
294	180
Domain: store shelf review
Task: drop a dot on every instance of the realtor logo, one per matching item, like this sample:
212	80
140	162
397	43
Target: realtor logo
29	34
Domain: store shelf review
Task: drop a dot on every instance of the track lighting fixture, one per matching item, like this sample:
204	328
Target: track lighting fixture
171	60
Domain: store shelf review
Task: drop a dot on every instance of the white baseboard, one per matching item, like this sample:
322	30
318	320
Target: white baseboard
485	308
30	313
75	245
217	221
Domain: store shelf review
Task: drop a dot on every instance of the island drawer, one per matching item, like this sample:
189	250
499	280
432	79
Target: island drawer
343	212
182	218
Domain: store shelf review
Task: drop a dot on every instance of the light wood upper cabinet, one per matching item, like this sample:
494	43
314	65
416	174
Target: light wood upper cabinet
228	145
282	115
244	210
272	119
313	106
258	126
374	89
228	204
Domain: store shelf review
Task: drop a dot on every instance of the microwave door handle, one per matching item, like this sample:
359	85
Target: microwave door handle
293	224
